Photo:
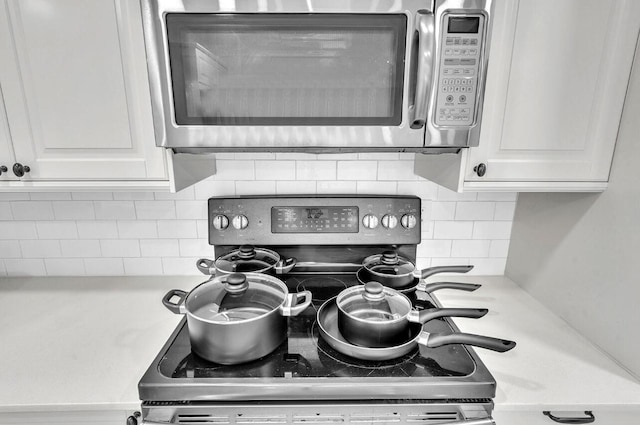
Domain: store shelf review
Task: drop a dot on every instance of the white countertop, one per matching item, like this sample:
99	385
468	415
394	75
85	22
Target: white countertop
84	343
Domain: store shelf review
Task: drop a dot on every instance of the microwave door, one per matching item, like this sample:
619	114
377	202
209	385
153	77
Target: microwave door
286	81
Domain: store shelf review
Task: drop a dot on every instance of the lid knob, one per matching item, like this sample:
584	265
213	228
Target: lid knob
373	291
236	283
246	252
389	257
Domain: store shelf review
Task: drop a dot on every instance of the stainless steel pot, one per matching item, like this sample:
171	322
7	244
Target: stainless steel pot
376	316
420	285
237	318
329	331
397	272
247	259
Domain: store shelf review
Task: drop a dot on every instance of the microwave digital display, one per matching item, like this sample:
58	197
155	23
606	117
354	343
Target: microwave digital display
463	25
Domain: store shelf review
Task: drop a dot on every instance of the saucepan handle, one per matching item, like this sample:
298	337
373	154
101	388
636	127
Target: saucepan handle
177	308
296	303
285	266
461	286
494	344
425	273
206	266
433	313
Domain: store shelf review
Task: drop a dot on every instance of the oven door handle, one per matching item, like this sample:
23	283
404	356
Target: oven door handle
422	54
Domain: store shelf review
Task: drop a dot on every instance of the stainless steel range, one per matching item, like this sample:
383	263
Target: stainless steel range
324	240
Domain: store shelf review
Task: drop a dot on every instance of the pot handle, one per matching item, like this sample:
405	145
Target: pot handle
425	273
176	308
435	286
293	306
285	266
206	266
433	313
436	340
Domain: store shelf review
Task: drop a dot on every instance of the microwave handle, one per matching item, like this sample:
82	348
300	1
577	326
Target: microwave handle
423	50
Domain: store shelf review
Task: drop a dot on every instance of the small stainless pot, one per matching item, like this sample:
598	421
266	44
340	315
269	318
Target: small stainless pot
237	318
246	259
397	272
377	316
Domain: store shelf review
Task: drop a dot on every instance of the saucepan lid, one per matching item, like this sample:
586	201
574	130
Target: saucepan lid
389	263
247	259
236	297
373	302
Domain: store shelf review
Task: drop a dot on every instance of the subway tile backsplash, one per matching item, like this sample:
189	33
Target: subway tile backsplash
145	233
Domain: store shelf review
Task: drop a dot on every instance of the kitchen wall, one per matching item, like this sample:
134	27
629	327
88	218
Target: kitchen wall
160	233
577	253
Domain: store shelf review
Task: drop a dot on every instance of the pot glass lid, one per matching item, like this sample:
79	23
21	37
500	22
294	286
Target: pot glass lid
389	263
247	259
236	297
373	302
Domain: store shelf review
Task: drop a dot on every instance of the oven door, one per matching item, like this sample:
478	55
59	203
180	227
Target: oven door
231	74
333	412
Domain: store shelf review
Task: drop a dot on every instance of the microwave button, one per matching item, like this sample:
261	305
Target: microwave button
462	99
451	62
474	41
457	71
457	41
466	41
449	41
448	52
467	61
473	51
449	98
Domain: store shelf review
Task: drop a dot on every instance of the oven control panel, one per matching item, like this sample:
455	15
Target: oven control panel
317	220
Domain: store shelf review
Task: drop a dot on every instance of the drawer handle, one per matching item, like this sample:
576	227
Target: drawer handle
589	419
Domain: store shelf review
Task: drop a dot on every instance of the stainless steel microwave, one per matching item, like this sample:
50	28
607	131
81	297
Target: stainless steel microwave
317	75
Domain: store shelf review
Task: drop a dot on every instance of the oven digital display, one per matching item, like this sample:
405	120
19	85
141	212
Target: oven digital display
314	219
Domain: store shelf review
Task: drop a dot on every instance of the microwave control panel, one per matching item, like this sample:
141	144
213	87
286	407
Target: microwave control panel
460	69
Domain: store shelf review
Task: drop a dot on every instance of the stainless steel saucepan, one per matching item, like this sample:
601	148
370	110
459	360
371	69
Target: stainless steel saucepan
238	317
246	259
328	327
395	271
373	315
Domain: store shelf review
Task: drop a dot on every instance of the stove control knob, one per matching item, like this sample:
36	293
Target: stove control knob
220	222
240	222
408	221
389	221
370	221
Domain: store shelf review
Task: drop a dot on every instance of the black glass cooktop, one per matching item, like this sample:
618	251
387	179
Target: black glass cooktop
304	354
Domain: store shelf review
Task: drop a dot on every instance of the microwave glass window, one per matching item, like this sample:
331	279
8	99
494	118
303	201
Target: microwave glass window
287	69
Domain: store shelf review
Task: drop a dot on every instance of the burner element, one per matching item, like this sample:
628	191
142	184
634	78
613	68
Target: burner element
322	287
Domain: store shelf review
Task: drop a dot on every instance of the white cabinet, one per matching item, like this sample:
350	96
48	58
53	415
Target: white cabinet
604	415
76	94
6	153
556	85
97	417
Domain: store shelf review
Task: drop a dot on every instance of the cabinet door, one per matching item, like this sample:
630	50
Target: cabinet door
76	90
6	153
625	416
554	105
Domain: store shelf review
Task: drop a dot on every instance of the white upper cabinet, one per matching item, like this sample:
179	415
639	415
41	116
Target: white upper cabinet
556	85
75	92
6	153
